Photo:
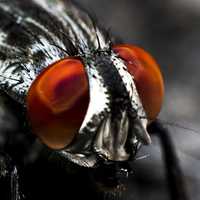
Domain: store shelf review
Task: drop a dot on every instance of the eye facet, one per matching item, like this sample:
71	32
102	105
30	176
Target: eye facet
57	102
147	77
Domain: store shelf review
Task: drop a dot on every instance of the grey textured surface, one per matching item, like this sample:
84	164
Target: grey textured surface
170	31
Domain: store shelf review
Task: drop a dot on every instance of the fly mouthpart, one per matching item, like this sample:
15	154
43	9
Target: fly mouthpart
111	138
117	139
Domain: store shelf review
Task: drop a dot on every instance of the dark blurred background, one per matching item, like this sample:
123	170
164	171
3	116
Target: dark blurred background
170	31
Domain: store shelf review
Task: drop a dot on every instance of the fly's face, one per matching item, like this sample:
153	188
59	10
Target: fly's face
119	110
89	107
85	98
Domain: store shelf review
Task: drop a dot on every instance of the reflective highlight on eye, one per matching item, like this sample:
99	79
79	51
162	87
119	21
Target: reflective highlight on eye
57	102
147	76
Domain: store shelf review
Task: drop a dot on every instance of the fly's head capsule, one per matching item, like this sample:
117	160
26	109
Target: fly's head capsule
98	105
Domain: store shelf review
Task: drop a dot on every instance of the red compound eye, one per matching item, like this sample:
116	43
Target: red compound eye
57	102
147	76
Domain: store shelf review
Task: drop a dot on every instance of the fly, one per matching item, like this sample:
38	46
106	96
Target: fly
86	97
